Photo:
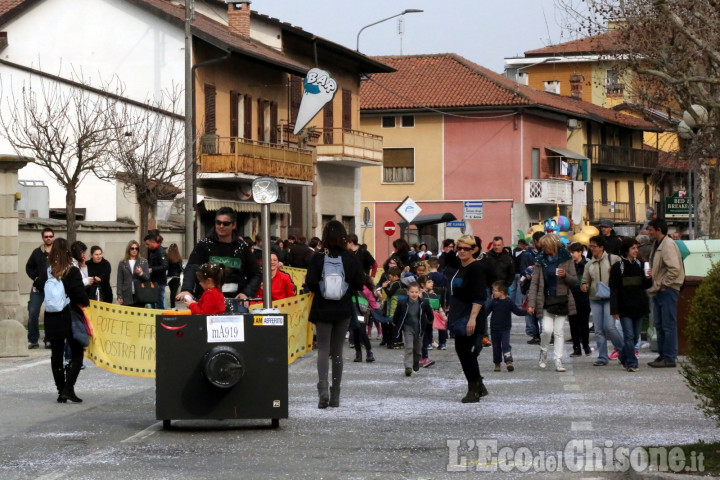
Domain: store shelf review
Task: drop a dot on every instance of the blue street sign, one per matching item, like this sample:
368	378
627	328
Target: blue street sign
458	224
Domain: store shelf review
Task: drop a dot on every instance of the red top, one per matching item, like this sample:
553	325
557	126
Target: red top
212	302
282	287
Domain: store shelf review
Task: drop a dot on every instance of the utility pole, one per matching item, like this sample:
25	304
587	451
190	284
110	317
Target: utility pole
189	125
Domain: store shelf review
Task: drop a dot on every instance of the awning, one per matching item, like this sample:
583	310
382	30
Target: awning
214	204
432	219
567	153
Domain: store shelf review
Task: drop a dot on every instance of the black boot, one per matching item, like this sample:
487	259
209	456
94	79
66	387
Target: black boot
335	396
323	395
473	393
482	391
71	375
358	356
59	377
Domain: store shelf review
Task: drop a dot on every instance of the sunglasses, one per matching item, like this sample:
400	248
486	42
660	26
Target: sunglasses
463	249
224	224
134	248
48	236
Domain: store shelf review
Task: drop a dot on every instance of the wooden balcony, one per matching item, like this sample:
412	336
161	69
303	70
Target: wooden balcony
549	191
622	212
249	157
625	159
351	148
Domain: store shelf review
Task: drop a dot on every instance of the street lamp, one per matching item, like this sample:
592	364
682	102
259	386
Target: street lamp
693	119
408	10
265	191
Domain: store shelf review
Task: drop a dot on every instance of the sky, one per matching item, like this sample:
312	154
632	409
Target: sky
483	31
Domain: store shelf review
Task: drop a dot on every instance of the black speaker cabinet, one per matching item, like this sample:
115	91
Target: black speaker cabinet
221	367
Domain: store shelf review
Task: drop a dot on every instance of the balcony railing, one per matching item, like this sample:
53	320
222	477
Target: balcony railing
350	147
617	211
622	158
548	191
239	155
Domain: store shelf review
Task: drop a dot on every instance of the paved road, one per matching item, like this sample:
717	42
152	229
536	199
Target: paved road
387	427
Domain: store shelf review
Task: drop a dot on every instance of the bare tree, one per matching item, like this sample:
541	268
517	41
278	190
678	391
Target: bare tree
66	129
672	49
148	156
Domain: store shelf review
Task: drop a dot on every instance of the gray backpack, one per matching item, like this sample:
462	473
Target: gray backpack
333	285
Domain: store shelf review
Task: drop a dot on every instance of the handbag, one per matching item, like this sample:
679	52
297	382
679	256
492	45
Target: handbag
556	304
145	291
603	291
439	321
79	329
459	326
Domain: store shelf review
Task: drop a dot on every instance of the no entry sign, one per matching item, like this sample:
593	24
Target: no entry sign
389	228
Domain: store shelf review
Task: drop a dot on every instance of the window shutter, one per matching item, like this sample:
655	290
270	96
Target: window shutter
261	119
398	157
346	109
234	98
248	117
210	94
273	122
296	93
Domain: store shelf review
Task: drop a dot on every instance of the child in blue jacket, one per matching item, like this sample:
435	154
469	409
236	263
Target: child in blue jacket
410	318
502	309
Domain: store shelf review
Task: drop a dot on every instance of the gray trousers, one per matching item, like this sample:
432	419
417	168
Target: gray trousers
413	348
330	340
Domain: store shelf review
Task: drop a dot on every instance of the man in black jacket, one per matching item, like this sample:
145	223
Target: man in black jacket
503	265
300	253
36	264
612	241
366	259
158	265
242	274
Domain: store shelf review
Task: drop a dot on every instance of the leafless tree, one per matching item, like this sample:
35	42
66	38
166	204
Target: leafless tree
65	129
148	154
672	49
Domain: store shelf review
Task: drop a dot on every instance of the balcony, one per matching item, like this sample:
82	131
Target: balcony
623	159
249	157
548	192
622	212
351	148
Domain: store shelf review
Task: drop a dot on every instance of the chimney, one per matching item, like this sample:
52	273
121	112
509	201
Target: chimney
239	18
576	84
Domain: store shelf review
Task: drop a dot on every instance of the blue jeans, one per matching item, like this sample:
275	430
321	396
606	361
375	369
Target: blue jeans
160	303
532	326
502	350
665	320
34	303
515	294
604	328
631	335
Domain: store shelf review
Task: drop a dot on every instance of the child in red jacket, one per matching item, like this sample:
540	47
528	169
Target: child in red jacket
212	301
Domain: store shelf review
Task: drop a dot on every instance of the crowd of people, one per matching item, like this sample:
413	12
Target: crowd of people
463	292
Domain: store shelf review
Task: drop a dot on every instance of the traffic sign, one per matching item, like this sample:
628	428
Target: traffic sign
389	228
458	224
408	209
472	210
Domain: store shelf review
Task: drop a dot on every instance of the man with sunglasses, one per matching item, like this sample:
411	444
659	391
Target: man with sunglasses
36	264
223	245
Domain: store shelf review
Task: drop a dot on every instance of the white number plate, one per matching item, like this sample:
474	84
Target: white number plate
226	328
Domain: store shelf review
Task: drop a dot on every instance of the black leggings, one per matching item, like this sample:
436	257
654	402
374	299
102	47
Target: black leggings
173	284
330	340
467	352
359	335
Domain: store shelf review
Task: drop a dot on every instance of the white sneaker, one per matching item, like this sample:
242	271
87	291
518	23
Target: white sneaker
435	344
559	366
543	359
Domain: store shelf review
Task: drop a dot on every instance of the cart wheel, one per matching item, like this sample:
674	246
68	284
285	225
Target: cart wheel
275	422
166	424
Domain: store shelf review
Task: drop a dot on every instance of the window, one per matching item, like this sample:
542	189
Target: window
535	163
210	109
398	165
552	86
388	122
613	85
348	223
407	121
603	191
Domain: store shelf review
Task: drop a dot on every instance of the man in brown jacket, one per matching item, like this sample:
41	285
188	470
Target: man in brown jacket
668	275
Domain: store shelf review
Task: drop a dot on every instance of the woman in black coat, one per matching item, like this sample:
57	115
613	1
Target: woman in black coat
99	269
332	317
58	328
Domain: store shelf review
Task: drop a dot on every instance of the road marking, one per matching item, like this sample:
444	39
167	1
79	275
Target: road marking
143	434
25	365
51	476
571	388
567	378
581	426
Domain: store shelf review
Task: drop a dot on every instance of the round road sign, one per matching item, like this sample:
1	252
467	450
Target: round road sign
389	228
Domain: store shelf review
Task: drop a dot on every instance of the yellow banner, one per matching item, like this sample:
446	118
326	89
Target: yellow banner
123	338
296	274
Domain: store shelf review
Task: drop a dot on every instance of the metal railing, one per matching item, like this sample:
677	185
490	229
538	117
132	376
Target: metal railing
617	211
239	155
622	157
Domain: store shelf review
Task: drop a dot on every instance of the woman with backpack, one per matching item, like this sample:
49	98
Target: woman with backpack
333	276
63	287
